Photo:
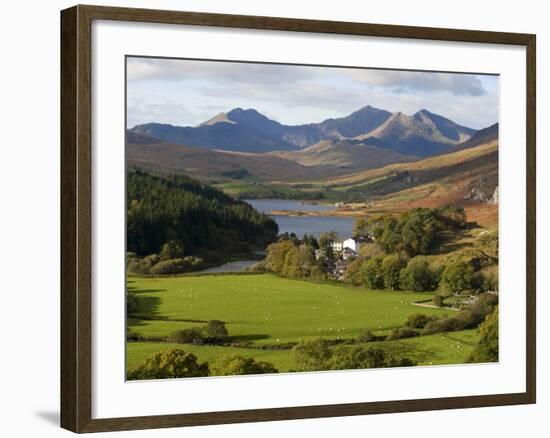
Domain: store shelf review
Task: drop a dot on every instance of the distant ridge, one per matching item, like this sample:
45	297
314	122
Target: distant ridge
482	136
247	130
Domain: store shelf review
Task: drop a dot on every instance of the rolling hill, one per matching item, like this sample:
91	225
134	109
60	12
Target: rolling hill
467	177
163	157
346	154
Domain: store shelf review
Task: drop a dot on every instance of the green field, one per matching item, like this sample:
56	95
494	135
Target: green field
265	311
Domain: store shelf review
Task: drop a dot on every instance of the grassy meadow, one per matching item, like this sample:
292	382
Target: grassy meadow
269	313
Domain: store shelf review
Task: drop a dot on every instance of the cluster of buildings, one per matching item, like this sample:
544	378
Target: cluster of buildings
341	254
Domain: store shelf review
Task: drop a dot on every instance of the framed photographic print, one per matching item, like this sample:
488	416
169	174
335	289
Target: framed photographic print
268	218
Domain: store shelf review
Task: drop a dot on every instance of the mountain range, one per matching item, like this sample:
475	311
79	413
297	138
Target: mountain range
419	135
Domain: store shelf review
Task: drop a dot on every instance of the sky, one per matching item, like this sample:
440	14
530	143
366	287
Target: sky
189	92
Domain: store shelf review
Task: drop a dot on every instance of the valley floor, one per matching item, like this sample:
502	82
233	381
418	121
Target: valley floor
268	314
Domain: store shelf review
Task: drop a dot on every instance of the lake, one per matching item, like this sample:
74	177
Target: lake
300	225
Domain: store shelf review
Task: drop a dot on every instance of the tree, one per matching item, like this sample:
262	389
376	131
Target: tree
238	365
361	227
325	239
418	276
174	249
386	230
391	269
192	335
291	267
419	230
371	273
161	209
216	330
276	255
458	277
168	364
353	272
306	260
313	355
486	349
454	217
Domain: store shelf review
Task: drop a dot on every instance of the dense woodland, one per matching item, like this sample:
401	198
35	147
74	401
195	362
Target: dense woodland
194	218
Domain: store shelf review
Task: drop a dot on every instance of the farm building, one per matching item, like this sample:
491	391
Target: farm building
348	253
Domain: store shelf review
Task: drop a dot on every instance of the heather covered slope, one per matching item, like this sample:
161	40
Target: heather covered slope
467	178
346	154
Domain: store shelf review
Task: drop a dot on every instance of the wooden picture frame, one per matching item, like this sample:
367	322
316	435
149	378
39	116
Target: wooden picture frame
76	217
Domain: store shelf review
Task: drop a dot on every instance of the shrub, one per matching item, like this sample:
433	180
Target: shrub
486	349
358	358
313	355
135	265
258	267
447	324
368	357
173	249
237	365
490	282
165	267
193	335
169	364
132	304
458	277
216	330
418	276
367	336
418	320
438	300
402	333
467	318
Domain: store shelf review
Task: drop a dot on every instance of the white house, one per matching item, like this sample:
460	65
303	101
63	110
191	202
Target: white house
337	246
352	244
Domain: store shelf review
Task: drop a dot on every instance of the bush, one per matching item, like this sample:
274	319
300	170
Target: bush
467	318
237	365
438	300
448	324
402	333
193	335
313	355
359	358
135	265
487	348
173	249
418	276
132	304
258	267
458	277
169	364
418	320
367	336
216	330
177	266
368	357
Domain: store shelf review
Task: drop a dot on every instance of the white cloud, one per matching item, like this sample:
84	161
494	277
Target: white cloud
187	92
